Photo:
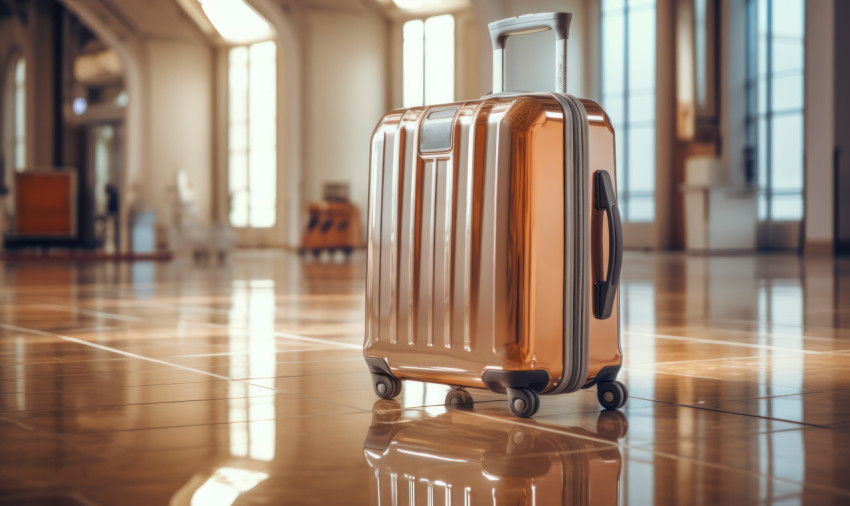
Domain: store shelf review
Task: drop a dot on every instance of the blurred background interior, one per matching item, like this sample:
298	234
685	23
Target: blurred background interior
204	143
172	127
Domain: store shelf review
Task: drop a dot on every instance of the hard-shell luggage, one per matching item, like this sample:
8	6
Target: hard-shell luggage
453	458
495	243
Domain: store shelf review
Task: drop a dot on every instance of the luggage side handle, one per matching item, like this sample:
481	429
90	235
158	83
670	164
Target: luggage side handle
558	22
605	291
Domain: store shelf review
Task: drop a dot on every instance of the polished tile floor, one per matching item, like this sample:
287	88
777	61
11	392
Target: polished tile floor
158	383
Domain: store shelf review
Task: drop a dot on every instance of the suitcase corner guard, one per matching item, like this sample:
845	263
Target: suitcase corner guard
378	366
500	381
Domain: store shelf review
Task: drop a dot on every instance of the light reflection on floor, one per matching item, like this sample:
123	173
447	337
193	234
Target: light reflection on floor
178	384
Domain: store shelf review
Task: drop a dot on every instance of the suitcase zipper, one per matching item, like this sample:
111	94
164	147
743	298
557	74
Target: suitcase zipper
575	299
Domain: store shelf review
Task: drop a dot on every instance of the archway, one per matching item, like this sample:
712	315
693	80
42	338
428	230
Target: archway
121	38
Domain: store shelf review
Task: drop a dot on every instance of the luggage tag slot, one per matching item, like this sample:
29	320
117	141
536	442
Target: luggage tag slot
436	133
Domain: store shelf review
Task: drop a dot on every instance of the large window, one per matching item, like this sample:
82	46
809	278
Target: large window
429	61
20	133
252	165
775	106
628	95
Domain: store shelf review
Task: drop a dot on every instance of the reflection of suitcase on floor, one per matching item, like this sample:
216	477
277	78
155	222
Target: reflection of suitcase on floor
495	242
455	458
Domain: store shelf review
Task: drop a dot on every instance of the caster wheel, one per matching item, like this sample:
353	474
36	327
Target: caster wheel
316	252
612	394
458	398
523	402
387	387
347	251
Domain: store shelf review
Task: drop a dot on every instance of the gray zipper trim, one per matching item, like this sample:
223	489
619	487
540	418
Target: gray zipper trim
576	226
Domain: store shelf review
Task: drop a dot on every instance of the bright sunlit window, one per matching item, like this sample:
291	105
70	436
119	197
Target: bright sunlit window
20	133
236	21
775	106
252	167
628	96
428	68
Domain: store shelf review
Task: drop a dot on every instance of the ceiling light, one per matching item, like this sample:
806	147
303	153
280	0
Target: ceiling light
414	4
79	105
236	21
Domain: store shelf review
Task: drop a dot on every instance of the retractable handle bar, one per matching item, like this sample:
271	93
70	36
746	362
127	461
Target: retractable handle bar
558	22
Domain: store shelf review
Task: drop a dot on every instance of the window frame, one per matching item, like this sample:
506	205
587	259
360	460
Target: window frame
753	116
19	116
424	99
247	149
624	126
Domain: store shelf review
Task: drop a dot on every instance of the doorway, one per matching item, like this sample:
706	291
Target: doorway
100	183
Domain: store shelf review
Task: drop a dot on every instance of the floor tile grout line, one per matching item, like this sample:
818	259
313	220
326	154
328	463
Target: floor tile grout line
696	376
101	347
124	359
718	359
125	386
663	454
774	477
286	335
225	312
293	336
162	362
706	324
632	333
277	333
714	410
90	312
30	412
188	307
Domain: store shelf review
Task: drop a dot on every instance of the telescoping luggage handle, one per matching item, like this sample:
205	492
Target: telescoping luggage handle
558	22
606	200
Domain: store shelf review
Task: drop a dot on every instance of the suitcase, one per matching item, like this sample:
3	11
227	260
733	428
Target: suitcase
453	458
495	242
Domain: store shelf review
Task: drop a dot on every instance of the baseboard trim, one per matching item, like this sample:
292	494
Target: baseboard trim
819	248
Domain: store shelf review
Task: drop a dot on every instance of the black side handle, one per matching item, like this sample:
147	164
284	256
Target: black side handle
604	292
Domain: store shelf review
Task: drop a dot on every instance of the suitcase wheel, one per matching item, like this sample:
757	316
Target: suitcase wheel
459	398
523	402
611	425
611	394
387	387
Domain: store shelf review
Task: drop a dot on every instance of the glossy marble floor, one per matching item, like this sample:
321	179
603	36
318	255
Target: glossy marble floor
169	383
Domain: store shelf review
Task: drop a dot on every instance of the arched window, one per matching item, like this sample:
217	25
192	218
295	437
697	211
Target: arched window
19	130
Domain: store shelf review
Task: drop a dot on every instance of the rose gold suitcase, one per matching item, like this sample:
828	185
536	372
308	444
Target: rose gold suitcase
495	243
453	458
